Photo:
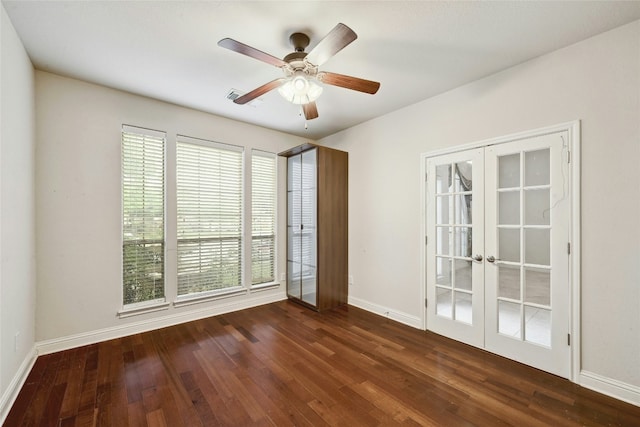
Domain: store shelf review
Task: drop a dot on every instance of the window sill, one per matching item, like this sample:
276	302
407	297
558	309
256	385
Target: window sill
197	299
265	286
135	311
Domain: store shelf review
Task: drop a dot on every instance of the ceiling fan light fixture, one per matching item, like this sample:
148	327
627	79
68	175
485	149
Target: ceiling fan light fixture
299	89
302	83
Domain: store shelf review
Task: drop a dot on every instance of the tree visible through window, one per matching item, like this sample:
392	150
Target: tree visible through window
209	199
142	215
209	219
263	217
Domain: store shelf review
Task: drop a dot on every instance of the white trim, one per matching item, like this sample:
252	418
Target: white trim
575	279
191	299
138	130
129	311
11	392
208	143
423	241
574	143
264	287
617	389
398	316
92	337
561	127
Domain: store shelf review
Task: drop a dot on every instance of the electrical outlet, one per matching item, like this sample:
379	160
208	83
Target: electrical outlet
350	280
283	277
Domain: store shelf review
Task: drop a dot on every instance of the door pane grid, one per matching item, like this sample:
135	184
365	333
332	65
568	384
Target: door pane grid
453	218
524	229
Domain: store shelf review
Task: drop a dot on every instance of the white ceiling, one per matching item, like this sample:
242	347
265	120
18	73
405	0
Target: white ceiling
417	49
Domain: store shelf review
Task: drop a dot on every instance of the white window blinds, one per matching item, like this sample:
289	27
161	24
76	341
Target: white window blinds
263	216
209	202
142	215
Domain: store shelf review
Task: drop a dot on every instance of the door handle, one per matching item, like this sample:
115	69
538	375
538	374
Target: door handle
478	258
491	258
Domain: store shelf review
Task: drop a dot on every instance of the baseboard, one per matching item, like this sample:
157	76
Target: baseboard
78	340
614	388
11	393
398	316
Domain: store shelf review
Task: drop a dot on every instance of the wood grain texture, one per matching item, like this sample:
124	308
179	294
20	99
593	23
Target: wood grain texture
310	111
332	233
349	82
284	365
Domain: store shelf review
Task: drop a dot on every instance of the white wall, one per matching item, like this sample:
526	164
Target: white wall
17	210
596	81
78	190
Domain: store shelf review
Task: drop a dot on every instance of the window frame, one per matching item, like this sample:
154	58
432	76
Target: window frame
274	281
192	298
154	304
170	283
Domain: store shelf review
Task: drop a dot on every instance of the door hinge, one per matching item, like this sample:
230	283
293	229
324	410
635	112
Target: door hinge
568	156
569	248
426	240
568	339
426	177
426	303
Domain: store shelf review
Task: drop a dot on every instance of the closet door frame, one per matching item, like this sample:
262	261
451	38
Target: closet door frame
573	159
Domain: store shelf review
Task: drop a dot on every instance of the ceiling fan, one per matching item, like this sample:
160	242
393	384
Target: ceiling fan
301	76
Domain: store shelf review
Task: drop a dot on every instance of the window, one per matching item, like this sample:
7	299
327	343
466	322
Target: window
263	219
209	221
142	215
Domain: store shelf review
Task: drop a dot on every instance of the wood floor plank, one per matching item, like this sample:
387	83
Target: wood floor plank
136	414
32	386
284	365
156	419
33	414
74	383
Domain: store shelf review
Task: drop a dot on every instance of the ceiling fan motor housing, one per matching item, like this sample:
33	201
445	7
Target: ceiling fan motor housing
296	60
299	41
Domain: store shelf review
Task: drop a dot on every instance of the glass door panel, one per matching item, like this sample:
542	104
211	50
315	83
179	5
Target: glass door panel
537	286
525	243
308	228
293	279
509	282
294	222
537	167
536	207
509	244
509	207
455	278
302	202
509	171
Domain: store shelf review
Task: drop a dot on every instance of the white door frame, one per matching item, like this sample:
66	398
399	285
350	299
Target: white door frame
573	130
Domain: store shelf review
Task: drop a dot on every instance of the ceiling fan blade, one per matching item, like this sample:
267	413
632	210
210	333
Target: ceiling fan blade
332	43
353	83
244	49
310	110
250	96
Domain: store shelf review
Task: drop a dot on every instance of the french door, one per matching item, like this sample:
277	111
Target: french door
498	227
455	224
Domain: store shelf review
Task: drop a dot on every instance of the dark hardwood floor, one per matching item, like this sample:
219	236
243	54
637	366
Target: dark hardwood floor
282	364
